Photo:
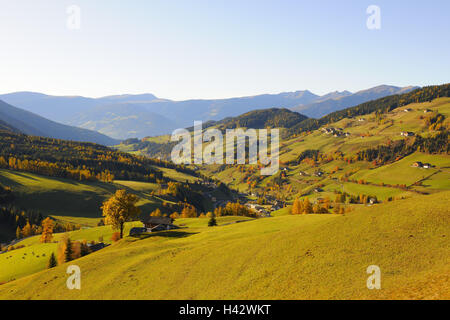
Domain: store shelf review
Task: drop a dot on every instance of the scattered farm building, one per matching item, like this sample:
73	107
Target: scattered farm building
152	224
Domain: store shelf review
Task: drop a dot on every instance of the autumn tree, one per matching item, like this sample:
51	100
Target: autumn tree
120	208
189	211
307	206
156	213
337	209
26	231
115	237
18	233
47	230
296	207
175	215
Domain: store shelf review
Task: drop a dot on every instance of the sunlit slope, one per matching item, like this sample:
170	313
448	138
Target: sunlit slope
68	198
392	180
35	255
286	257
366	132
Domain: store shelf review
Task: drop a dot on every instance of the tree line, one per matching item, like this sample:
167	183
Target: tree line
78	160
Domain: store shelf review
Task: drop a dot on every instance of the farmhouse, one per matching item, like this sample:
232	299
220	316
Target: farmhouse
158	224
318	173
406	133
417	164
96	246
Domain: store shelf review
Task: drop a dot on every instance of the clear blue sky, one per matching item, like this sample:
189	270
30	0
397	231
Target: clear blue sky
216	49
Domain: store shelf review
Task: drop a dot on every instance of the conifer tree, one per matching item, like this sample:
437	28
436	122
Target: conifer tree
68	251
212	222
52	261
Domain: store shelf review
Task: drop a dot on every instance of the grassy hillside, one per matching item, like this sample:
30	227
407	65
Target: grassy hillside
51	196
34	256
286	257
368	131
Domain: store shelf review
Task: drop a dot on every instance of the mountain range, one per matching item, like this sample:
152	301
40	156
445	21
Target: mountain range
129	116
19	120
345	99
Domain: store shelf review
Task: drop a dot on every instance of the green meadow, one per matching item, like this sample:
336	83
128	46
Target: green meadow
402	172
51	196
285	257
35	255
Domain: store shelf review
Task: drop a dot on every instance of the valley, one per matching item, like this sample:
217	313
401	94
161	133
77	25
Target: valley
372	182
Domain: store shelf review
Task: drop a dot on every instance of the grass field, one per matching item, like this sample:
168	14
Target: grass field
401	172
285	257
382	193
34	257
51	196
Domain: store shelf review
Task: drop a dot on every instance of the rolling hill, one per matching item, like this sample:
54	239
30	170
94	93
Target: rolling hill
287	257
259	119
32	124
6	127
161	146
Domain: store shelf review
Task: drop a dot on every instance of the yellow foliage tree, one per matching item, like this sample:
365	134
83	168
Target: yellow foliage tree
156	213
26	230
297	207
175	215
120	208
47	230
189	211
307	207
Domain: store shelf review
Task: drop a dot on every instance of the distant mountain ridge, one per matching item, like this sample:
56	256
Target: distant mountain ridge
323	107
124	121
156	116
6	127
29	123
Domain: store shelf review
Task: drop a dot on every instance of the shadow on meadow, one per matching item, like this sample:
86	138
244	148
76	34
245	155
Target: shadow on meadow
167	234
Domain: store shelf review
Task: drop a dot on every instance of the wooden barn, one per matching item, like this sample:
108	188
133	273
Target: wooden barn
158	224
